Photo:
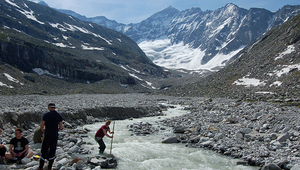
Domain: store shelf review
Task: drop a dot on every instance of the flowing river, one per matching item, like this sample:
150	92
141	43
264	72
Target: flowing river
147	152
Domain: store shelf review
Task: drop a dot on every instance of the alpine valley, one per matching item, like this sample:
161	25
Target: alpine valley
197	40
229	52
199	43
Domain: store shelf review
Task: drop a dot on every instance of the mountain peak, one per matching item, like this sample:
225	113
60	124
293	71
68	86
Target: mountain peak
169	9
167	12
43	3
231	6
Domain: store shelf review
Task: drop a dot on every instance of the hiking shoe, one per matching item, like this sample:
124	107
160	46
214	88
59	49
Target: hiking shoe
25	160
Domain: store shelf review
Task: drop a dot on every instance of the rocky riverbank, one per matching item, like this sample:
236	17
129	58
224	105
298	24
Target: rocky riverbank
77	110
257	133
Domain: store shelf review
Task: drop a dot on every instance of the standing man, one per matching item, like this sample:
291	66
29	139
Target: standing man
19	147
101	133
51	124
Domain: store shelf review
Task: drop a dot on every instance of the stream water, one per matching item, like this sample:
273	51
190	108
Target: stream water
147	152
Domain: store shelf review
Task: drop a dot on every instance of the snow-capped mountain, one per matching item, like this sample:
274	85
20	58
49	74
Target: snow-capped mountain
267	69
200	40
193	39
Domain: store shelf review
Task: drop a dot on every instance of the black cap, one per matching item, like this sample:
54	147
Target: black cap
51	105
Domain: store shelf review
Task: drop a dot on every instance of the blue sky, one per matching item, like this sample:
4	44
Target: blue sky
134	11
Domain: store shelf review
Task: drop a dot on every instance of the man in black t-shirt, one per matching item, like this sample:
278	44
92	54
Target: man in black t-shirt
51	124
19	147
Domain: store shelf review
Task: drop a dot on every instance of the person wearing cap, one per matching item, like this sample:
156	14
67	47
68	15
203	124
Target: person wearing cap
19	147
50	125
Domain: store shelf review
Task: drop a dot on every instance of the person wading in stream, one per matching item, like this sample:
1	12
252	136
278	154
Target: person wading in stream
101	133
51	124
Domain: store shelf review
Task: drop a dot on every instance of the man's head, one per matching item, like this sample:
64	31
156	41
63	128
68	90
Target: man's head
18	133
51	106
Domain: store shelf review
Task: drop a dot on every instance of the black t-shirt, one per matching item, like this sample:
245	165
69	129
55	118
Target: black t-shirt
52	120
19	144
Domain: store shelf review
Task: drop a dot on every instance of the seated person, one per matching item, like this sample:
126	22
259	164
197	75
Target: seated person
3	149
19	147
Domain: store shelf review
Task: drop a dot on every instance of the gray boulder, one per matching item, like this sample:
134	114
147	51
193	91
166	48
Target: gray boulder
271	166
282	138
171	140
296	167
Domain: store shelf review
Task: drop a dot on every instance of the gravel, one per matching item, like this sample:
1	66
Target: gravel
258	133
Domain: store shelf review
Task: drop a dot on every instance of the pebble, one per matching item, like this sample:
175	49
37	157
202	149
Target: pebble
257	133
69	149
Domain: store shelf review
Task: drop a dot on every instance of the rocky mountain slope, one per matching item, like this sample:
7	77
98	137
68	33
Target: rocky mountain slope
267	69
37	40
199	40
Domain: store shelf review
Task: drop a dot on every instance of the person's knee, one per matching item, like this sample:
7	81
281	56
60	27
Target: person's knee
9	156
29	154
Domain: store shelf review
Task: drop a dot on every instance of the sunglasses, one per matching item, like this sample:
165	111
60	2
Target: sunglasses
17	133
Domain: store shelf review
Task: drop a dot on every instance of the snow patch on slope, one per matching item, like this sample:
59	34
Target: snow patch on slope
10	78
181	56
289	50
28	14
248	82
40	72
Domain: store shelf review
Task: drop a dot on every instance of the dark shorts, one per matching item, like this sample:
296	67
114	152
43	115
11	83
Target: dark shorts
22	156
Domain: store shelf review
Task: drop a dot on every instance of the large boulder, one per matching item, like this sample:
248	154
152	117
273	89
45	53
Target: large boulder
296	167
271	166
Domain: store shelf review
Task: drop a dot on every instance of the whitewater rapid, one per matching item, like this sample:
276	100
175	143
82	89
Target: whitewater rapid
147	152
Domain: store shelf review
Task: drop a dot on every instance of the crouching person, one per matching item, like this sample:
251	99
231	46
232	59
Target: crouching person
19	147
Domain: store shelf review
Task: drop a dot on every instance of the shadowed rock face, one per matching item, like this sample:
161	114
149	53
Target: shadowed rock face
74	51
115	113
28	56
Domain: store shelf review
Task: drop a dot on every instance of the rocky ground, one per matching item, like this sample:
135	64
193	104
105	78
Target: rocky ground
258	133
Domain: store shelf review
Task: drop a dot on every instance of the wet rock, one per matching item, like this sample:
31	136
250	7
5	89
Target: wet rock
179	129
258	133
171	140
